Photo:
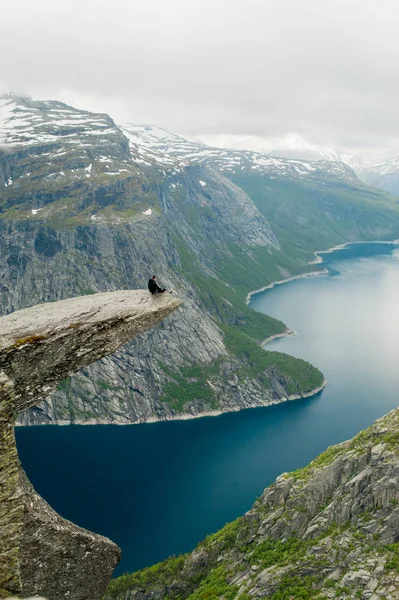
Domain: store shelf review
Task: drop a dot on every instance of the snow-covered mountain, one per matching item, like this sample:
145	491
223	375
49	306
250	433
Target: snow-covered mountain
81	144
26	122
294	159
383	174
290	146
90	142
151	145
76	143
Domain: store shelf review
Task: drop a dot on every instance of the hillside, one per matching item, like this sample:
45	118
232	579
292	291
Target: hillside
326	531
85	207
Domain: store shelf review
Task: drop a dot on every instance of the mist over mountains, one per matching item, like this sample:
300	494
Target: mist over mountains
19	125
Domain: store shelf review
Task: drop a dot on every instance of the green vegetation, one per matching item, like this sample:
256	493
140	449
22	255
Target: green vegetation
31	339
225	538
104	385
393	557
372	435
294	586
273	552
160	574
225	297
214	587
195	382
299	376
324	459
316	215
212	579
192	383
69	201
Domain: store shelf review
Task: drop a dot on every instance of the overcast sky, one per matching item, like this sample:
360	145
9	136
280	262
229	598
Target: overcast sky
225	70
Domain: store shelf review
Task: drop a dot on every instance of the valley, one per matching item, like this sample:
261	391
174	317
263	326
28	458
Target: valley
86	208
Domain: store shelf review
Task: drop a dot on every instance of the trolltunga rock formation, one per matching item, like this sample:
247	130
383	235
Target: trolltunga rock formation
40	552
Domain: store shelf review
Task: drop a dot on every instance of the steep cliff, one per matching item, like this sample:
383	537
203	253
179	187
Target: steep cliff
80	211
327	531
41	553
87	206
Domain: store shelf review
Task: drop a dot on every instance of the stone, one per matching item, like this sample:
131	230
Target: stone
40	552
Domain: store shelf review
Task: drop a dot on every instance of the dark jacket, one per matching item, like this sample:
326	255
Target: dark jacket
154	287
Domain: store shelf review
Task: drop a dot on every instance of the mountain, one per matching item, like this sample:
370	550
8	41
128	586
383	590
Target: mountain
384	175
87	205
153	145
296	146
317	195
327	531
79	215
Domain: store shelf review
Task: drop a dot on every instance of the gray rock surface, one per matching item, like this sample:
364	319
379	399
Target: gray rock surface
41	553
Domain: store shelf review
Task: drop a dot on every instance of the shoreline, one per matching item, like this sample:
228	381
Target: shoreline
276	336
316	261
184	416
282	281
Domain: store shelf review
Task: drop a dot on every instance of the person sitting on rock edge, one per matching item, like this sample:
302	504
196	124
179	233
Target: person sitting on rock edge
154	287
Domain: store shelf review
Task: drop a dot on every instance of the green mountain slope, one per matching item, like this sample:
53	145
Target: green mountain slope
319	214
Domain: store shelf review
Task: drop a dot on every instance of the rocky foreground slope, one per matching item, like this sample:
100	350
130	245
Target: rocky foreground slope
330	530
41	553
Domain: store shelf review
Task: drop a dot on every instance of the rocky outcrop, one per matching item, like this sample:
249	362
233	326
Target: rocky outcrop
330	530
41	553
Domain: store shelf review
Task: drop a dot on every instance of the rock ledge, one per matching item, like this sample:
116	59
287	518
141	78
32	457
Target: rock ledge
41	553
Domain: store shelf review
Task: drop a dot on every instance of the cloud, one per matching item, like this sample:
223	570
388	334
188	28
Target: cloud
263	68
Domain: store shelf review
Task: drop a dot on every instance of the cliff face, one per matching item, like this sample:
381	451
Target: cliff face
41	263
80	212
41	553
87	207
327	531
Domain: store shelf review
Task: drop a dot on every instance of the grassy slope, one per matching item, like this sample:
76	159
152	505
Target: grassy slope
243	327
316	215
306	216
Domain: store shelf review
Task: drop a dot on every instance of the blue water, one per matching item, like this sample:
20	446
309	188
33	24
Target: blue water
158	489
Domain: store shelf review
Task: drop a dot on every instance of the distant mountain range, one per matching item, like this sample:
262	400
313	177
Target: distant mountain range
154	145
295	159
21	123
